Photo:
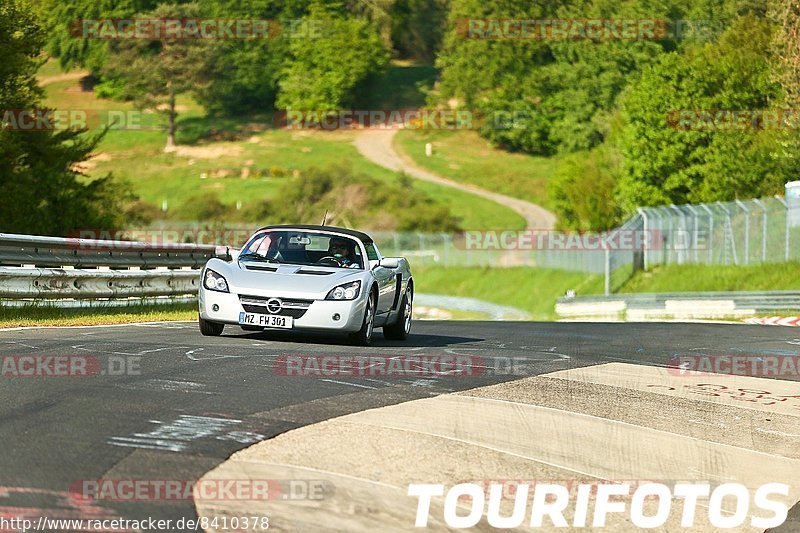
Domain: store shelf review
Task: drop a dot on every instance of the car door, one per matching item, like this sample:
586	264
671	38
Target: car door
385	277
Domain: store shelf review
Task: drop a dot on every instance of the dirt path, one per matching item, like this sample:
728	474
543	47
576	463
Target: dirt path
378	147
75	75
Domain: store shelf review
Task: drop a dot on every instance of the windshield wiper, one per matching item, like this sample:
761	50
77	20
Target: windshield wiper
258	257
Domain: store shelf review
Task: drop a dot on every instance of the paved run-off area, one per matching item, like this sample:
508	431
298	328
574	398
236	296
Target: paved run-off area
615	422
582	401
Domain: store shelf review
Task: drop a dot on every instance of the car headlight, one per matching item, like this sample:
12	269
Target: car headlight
348	291
215	282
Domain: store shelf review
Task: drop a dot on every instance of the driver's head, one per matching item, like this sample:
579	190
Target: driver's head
339	246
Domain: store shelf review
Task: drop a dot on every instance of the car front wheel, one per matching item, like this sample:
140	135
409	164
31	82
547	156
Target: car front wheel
402	326
210	329
364	335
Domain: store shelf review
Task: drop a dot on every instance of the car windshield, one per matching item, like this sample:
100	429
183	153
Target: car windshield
303	248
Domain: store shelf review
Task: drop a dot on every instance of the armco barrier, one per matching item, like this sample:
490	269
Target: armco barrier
68	283
51	270
19	250
688	305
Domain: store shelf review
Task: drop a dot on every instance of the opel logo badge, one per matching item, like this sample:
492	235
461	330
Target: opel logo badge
274	305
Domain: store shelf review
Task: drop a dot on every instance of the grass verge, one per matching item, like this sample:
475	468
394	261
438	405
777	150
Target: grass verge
13	317
465	157
534	290
699	278
241	160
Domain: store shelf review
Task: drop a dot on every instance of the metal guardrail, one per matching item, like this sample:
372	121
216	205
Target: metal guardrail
63	283
19	250
41	270
678	305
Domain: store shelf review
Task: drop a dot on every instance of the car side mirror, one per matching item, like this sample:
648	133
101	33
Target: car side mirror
226	253
389	262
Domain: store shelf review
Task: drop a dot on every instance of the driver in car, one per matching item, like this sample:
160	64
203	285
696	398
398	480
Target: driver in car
340	249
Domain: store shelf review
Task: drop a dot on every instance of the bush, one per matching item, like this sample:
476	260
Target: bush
203	207
583	191
354	200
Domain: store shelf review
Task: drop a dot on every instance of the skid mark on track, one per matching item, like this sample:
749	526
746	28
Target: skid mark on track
178	435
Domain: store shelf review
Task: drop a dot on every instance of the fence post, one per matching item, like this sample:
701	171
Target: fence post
695	230
763	229
710	233
681	252
643	213
607	283
746	231
786	208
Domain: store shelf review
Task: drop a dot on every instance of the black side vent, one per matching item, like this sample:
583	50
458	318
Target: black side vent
262	268
315	272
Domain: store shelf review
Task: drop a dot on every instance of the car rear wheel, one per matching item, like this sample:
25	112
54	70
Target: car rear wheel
402	326
364	335
210	329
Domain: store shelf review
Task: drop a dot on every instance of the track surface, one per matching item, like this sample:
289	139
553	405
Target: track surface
56	431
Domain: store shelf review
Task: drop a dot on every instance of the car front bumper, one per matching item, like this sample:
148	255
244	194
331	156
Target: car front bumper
318	316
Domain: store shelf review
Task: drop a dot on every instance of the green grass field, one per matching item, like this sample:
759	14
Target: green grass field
465	157
534	290
695	278
13	317
242	159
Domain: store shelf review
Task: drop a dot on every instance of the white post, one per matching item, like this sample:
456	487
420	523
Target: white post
763	230
646	239
786	206
710	233
746	231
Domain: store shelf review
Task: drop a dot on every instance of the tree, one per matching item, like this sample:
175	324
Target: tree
786	13
155	72
62	19
332	71
583	190
673	160
43	191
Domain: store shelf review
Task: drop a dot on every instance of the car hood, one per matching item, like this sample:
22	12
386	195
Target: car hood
258	279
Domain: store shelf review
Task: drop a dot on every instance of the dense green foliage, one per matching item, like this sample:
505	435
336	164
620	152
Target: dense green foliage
350	199
42	189
154	73
668	160
331	71
609	110
612	103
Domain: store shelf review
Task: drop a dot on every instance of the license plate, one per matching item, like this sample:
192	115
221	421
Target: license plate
265	321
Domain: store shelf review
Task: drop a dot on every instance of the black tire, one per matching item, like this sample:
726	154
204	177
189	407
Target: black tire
364	336
402	326
210	329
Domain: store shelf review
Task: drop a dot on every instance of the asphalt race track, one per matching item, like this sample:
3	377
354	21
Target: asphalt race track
186	402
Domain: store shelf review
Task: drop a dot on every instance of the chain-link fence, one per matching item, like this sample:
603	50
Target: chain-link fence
724	233
731	233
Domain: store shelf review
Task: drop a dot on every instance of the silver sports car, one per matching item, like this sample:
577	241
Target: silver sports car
315	278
